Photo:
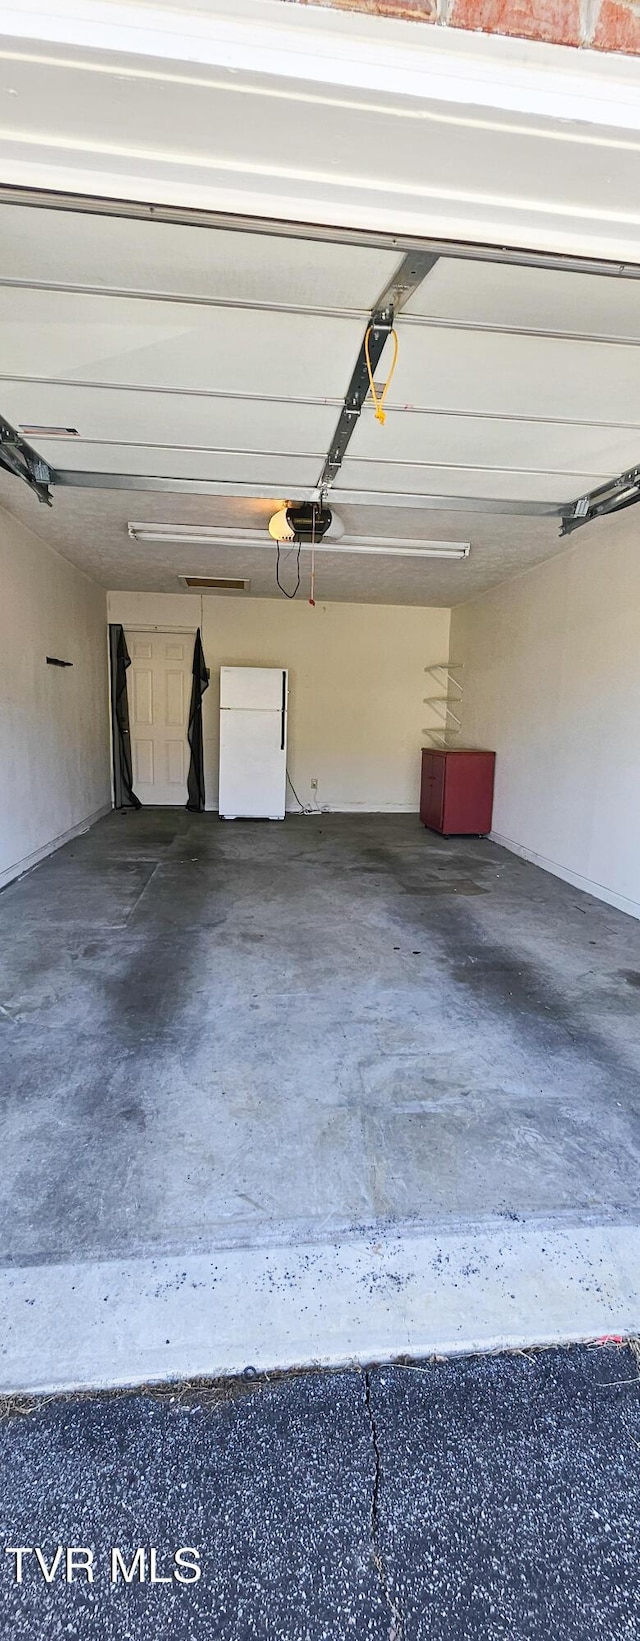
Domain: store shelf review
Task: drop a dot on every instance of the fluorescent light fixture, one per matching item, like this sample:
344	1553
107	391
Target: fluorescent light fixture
208	535
366	544
384	546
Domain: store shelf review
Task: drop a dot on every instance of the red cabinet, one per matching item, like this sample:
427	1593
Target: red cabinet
456	794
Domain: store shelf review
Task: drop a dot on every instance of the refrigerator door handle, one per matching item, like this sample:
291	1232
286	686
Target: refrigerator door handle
284	710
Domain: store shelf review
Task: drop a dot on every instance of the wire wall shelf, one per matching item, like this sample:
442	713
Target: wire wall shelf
446	705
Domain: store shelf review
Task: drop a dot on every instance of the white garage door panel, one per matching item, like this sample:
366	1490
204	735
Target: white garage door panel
453	439
445	481
113	339
171	133
277	471
189	261
493	294
110	413
515	375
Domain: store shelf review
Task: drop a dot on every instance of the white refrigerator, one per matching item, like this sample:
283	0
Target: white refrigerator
253	742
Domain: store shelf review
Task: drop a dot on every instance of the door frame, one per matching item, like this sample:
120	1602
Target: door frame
185	629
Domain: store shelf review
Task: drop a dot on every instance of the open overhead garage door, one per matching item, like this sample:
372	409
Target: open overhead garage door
207	374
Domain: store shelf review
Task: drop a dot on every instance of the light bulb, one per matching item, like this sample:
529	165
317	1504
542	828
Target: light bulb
279	526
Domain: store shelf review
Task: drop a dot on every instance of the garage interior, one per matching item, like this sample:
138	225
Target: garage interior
342	1036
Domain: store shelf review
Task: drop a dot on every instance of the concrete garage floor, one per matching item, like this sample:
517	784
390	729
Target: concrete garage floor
295	1040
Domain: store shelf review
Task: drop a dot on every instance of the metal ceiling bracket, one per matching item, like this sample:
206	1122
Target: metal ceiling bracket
413	269
613	497
23	462
409	274
378	330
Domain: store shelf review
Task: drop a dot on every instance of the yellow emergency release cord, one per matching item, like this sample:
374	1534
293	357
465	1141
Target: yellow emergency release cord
379	402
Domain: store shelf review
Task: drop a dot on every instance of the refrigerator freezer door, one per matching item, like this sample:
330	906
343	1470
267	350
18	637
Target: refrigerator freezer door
252	764
251	687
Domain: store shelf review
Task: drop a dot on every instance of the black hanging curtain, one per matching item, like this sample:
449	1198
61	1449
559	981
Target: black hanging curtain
123	794
195	778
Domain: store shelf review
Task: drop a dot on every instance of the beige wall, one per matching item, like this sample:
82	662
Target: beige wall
357	685
552	681
54	723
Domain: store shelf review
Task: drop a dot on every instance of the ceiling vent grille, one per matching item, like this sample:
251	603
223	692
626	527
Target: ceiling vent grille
216	583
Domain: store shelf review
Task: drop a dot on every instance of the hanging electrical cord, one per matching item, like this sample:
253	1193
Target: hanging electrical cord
305	809
297	585
379	402
312	584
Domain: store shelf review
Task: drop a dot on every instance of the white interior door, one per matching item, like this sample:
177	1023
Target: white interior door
159	689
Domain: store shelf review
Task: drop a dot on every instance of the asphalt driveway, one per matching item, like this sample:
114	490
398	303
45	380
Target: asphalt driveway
491	1497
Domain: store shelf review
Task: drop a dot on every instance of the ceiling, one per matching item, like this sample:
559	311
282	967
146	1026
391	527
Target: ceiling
90	528
200	353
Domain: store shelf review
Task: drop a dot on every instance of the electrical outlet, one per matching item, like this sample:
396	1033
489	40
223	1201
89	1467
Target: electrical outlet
314	783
